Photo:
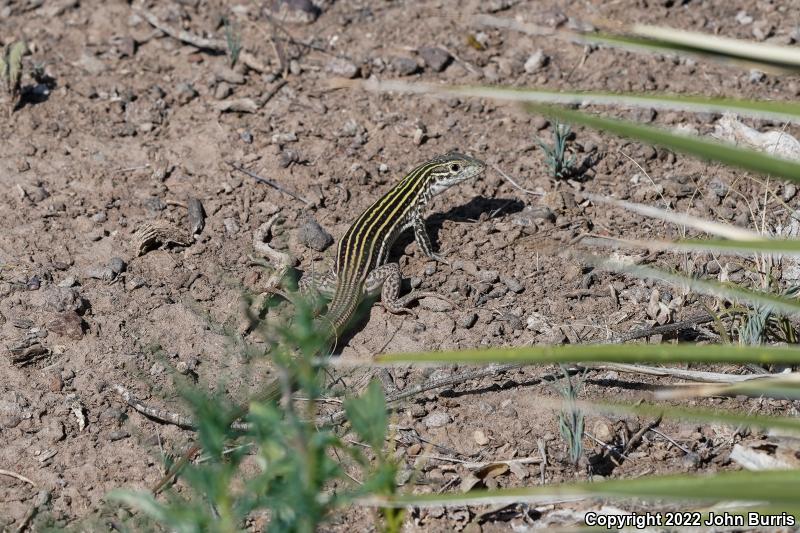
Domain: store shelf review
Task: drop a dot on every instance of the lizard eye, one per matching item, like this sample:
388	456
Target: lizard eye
455	167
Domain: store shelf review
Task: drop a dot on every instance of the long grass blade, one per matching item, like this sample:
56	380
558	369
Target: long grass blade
771	487
728	291
789	247
702	148
681	219
787	111
612	353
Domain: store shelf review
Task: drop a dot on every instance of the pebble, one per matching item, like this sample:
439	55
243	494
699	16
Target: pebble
437	419
99	217
117	265
539	123
743	18
231	226
223	91
60	299
468	319
226	74
33	283
435	58
68	324
513	285
488	276
283	138
342	67
314	236
480	437
536	61
383	168
756	76
118	435
101	273
247	137
789	191
185	93
404	66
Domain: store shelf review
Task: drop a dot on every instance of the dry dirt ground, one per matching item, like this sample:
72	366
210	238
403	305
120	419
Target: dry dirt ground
129	125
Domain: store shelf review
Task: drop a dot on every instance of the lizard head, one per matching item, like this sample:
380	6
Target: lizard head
449	169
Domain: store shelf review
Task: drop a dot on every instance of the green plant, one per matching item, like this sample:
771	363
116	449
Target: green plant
570	419
555	156
11	68
294	457
233	40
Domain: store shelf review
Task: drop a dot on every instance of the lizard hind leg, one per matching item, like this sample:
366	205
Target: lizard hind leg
387	278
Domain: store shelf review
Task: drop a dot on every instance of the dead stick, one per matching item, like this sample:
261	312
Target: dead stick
269	182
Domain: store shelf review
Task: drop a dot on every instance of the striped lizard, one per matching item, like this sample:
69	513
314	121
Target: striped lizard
362	266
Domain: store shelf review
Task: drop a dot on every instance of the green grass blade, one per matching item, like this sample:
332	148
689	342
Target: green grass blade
727	291
789	247
611	353
771	487
789	111
768	246
702	148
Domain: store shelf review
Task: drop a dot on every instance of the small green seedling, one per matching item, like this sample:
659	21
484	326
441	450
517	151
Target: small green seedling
556	155
233	39
11	68
570	419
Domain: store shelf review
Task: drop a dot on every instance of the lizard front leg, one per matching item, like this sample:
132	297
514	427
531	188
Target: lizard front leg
424	240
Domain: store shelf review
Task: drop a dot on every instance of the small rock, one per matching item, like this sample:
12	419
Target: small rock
246	137
539	212
480	437
117	265
33	283
182	367
404	66
718	187
536	61
419	136
226	74
283	138
513	285
467	320
437	419
231	226
539	123
287	158
68	324
342	67
743	18
313	235
118	435
185	93
99	217
157	369
789	191
756	76
60	299
435	58
223	91
102	273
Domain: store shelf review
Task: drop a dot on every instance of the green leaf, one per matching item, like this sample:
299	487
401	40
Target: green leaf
368	415
702	148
